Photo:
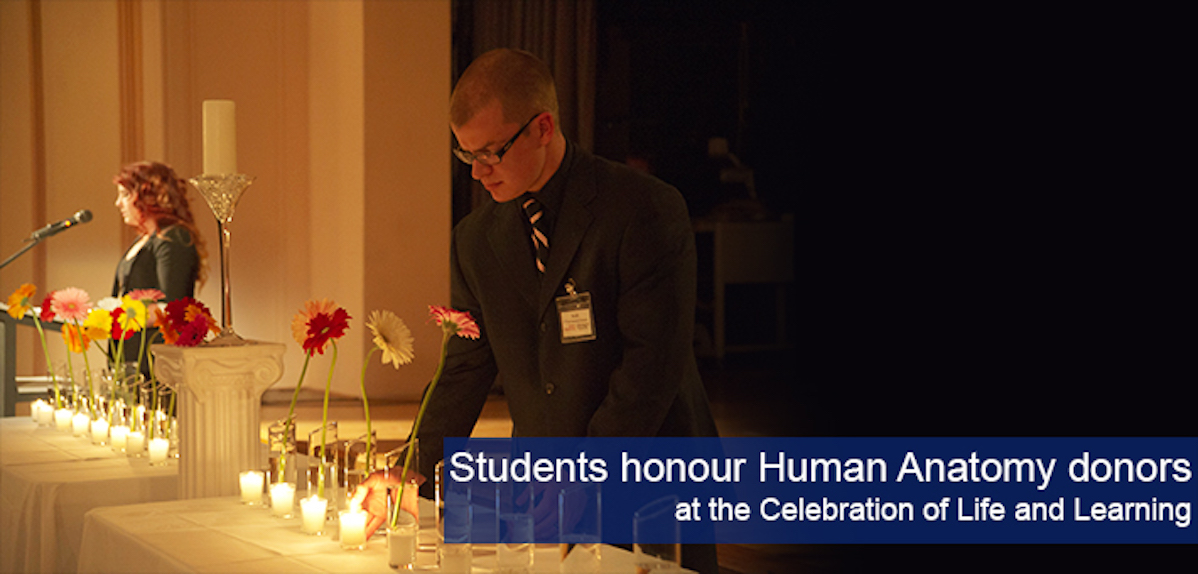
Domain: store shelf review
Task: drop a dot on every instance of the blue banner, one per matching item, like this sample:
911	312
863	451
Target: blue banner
822	490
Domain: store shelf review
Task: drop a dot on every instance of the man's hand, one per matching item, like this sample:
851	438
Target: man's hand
371	496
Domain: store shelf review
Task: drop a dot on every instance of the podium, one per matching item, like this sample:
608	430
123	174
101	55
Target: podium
219	390
8	357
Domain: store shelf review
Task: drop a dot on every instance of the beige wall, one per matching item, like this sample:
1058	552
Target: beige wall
341	111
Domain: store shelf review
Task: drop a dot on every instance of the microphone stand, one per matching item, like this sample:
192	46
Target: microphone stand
28	245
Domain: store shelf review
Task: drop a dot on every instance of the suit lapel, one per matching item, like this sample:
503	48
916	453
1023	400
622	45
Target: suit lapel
511	246
568	231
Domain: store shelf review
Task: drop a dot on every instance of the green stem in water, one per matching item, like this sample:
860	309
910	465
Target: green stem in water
170	409
118	373
290	420
87	371
366	411
71	369
153	392
324	423
407	462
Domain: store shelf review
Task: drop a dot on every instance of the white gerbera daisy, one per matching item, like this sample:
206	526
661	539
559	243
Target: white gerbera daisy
392	337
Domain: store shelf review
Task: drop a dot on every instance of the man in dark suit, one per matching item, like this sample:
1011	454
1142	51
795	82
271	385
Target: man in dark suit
617	359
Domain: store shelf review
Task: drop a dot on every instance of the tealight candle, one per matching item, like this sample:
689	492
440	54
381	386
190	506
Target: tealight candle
353	529
136	444
99	431
119	435
45	413
313	510
158	450
251	486
282	499
79	424
62	419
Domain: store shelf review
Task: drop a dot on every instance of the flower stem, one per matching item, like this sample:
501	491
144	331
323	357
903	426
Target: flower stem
366	411
324	423
290	420
71	373
87	370
49	364
445	335
153	392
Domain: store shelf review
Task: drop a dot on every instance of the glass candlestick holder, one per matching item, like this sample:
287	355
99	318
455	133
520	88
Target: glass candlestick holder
222	192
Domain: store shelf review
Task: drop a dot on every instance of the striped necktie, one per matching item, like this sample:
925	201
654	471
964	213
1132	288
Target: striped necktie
540	239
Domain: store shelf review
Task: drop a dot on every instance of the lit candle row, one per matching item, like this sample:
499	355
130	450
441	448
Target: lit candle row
42	413
313	509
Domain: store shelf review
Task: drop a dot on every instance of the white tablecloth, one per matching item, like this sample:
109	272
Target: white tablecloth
50	479
222	535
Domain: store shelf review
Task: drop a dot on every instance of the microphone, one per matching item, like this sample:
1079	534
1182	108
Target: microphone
80	217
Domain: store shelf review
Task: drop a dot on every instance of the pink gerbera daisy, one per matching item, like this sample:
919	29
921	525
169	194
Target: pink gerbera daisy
72	304
147	295
454	322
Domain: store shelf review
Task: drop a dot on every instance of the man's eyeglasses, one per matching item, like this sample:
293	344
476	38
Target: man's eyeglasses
487	157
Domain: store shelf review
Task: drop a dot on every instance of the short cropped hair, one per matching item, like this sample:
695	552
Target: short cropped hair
520	81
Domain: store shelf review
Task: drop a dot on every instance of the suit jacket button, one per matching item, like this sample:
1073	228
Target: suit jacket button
549	388
544	326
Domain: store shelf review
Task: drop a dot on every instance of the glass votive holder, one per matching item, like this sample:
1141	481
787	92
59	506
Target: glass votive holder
136	444
99	429
62	419
43	413
353	529
282	499
252	482
80	424
514	552
313	510
118	435
158	450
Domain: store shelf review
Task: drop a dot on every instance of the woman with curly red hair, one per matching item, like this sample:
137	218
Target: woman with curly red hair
169	254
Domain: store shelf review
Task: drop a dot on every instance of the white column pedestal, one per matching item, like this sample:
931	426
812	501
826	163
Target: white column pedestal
219	397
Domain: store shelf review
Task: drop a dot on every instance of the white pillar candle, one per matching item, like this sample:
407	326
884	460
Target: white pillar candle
120	437
220	137
313	510
62	419
99	431
251	486
353	529
35	410
282	499
136	444
79	424
158	449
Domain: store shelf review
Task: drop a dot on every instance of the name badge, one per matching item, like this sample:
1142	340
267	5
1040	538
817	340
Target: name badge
575	314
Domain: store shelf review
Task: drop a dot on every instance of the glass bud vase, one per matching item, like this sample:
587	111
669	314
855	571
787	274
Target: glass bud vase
282	459
323	461
401	542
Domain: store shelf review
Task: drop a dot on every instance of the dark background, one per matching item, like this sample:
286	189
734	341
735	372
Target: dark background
982	245
973	253
978	249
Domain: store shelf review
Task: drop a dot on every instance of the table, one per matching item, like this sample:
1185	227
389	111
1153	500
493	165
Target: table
50	479
222	535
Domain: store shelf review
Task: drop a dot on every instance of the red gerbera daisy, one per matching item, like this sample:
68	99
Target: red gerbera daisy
324	327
